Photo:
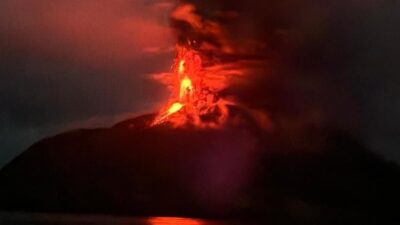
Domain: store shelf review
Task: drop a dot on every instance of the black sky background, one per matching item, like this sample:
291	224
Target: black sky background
69	64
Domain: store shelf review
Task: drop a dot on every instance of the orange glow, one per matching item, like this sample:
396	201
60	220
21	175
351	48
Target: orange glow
181	69
173	221
194	99
186	89
175	108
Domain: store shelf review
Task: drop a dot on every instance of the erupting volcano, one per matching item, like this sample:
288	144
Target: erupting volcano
257	127
194	99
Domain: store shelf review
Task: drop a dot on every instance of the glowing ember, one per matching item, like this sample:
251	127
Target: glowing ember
194	99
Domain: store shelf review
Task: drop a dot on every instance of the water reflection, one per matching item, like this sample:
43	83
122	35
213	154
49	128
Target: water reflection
7	218
173	221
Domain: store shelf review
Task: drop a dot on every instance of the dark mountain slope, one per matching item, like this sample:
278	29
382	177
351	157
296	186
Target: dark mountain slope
232	172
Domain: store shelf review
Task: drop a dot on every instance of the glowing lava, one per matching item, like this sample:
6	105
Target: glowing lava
186	89
194	101
174	108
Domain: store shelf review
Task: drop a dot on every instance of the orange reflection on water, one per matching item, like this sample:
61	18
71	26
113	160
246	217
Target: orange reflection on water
173	221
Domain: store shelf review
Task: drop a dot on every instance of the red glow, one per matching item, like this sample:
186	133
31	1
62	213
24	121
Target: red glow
173	221
194	99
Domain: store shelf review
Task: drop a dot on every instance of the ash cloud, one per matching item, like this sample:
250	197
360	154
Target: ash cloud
325	64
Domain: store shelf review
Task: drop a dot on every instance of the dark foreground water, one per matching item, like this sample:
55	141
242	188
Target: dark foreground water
64	219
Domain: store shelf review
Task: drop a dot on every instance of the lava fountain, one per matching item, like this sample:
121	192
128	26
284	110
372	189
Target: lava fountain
194	99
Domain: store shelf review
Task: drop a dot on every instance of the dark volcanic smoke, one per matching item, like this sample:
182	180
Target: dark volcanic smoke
255	56
303	64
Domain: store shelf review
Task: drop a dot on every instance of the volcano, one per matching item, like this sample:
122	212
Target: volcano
238	138
134	168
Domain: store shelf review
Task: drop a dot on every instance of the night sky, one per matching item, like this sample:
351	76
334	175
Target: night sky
71	64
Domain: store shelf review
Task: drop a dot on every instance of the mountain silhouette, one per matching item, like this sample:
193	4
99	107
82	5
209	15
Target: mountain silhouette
232	172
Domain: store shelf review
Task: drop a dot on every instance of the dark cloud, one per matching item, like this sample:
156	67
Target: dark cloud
326	64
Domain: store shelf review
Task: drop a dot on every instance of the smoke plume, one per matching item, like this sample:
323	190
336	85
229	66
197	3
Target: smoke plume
306	65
